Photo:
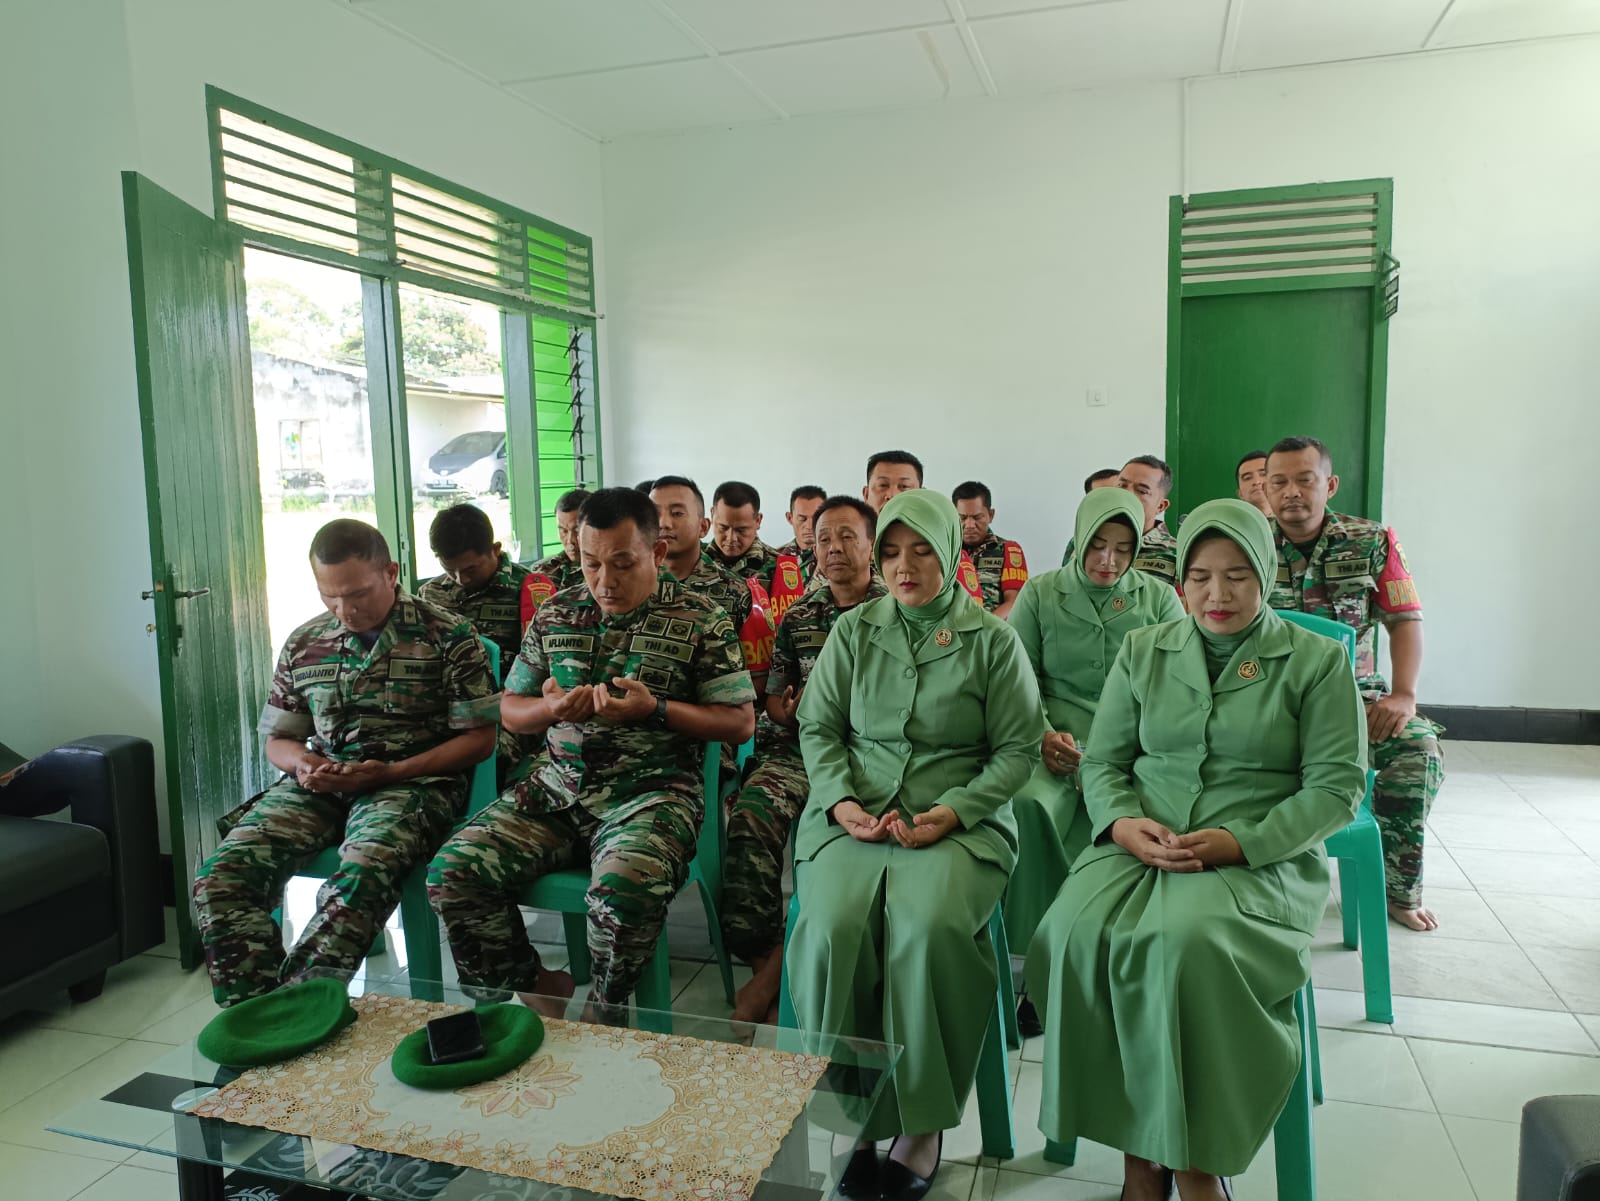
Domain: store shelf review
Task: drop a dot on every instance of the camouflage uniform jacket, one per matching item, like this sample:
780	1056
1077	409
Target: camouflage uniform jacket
1357	575
678	643
758	563
426	679
1001	567
734	595
494	610
546	578
799	640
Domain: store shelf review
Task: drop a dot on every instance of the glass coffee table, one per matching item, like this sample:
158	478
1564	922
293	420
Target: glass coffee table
223	1161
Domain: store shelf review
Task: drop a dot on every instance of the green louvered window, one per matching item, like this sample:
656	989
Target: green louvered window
301	191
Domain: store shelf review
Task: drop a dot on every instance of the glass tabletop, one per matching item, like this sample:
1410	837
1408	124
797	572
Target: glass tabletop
150	1112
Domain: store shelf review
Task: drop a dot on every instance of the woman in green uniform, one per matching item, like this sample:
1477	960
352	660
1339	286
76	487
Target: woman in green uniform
1226	747
921	720
1071	622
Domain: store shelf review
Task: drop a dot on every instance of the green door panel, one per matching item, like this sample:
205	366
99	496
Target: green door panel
1260	366
206	554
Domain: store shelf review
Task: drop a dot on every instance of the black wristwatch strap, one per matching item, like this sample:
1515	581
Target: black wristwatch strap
661	711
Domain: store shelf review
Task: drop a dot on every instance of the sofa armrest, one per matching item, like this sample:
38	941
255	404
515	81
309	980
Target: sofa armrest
109	782
1560	1154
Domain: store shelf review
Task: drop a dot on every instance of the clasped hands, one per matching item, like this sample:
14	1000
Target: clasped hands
316	774
1154	845
923	830
595	700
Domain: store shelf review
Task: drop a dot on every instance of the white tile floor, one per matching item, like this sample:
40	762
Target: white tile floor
1502	1004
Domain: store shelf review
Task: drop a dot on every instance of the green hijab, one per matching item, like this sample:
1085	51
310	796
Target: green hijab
1097	508
935	521
1244	525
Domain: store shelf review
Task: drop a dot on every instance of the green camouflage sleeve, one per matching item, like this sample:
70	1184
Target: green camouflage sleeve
468	682
529	669
719	673
785	669
286	714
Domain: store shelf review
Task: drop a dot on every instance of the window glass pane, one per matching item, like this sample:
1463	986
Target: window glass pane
313	425
455	414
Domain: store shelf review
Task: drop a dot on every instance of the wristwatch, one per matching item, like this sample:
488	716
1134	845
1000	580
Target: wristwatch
661	711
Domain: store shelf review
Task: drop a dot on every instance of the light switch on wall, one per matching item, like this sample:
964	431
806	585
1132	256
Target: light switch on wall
1096	398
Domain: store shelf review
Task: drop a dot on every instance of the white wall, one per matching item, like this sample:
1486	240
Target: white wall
785	299
93	88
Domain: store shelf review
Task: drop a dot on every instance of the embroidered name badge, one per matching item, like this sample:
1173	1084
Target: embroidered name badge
317	673
808	640
415	669
1161	567
500	613
666	648
1344	569
1249	669
556	643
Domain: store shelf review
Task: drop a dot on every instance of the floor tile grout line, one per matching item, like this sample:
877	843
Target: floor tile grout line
110	1165
1454	1146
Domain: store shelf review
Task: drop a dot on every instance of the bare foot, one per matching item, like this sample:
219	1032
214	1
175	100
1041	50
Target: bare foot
772	1014
1414	919
551	992
760	994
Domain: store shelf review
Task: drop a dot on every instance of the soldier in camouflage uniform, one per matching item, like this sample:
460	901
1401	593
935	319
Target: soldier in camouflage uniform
627	678
736	544
999	563
804	502
1353	571
561	570
680	508
482	584
1150	479
774	792
377	711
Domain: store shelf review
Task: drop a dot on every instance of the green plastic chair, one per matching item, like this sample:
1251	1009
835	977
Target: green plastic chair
566	892
418	923
1358	850
1293	1141
993	1082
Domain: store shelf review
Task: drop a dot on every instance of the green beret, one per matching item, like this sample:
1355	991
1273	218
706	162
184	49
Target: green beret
511	1034
280	1025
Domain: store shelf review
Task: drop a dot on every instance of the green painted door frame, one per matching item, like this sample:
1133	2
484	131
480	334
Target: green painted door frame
1282	242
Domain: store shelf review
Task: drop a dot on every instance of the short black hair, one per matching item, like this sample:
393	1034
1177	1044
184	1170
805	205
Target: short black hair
849	502
608	508
894	456
644	486
346	538
972	490
681	481
572	501
736	494
1289	446
806	492
1248	457
1159	464
461	530
1094	477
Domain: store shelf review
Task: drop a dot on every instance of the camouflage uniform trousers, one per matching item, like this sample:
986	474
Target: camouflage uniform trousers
759	821
381	836
1410	769
637	864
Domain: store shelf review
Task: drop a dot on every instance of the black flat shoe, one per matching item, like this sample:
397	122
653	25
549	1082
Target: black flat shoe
1227	1187
859	1180
1028	1023
1169	1181
899	1183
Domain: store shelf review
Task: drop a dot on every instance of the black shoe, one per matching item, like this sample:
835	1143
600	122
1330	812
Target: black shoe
859	1180
1028	1023
1169	1181
900	1183
1227	1187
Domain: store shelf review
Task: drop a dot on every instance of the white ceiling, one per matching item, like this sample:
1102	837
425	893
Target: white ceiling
616	68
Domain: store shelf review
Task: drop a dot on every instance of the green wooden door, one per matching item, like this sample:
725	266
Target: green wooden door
1278	325
206	556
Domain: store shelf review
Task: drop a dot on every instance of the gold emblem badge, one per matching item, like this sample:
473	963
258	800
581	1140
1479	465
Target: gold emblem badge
1120	603
944	637
1249	669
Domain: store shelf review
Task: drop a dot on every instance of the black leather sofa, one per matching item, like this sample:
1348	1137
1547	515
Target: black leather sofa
77	896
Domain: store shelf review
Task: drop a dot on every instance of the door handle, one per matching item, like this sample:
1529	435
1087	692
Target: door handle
191	592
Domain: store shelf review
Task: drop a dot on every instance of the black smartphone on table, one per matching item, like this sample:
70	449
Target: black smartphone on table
455	1039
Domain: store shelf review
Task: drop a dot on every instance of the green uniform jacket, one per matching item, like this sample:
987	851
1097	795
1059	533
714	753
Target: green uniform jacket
1275	753
957	725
